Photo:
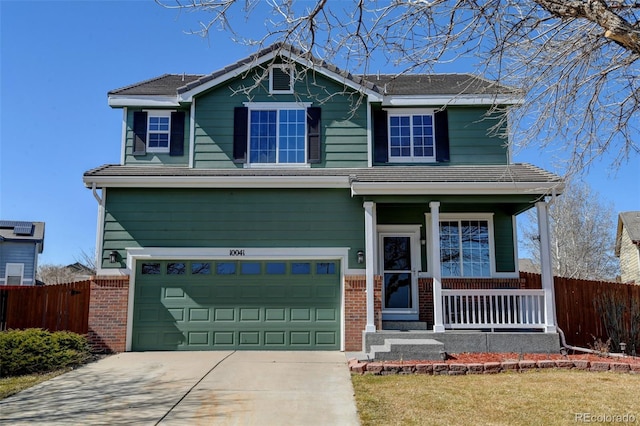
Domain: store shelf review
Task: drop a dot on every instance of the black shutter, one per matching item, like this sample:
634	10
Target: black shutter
314	135
441	122
240	135
139	133
176	144
380	138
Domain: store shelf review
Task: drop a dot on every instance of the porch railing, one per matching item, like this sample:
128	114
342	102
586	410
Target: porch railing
480	309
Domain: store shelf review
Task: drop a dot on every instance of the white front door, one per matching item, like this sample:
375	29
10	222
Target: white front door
399	264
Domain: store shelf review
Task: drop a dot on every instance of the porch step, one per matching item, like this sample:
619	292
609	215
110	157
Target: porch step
404	325
407	349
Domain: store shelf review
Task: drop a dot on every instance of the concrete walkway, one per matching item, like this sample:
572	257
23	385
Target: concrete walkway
193	388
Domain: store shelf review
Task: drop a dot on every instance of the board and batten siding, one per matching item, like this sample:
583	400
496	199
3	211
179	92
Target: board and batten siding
235	218
344	129
471	139
16	252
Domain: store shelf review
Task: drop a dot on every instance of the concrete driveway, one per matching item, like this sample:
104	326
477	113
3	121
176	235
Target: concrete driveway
193	388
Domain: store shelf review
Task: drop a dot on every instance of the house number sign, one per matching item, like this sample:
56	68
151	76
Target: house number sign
236	252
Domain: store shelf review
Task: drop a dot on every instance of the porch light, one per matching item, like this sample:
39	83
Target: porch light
623	347
113	257
360	256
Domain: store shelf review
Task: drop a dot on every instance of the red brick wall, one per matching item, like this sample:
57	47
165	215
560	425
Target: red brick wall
355	307
108	313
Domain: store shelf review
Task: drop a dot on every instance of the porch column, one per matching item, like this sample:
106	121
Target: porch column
546	268
438	326
369	240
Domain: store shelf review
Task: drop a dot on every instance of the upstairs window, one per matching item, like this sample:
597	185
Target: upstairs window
411	138
159	131
410	135
277	133
14	273
281	79
277	136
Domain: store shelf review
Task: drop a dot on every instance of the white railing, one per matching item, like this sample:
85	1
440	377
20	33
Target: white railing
479	309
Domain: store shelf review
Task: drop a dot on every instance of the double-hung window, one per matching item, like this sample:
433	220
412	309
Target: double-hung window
277	135
411	136
465	248
159	131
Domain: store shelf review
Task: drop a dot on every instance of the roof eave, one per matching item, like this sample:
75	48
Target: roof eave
216	181
162	101
438	100
455	188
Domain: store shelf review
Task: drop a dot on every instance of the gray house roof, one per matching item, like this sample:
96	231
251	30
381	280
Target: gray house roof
15	230
386	84
513	178
631	222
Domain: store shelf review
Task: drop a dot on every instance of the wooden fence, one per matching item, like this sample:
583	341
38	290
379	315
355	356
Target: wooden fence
52	307
588	311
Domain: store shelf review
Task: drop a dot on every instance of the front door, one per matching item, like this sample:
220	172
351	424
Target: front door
399	276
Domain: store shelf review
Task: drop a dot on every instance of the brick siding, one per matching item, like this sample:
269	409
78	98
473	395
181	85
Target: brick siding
108	313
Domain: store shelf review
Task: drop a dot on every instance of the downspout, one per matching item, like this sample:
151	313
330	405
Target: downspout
95	193
564	345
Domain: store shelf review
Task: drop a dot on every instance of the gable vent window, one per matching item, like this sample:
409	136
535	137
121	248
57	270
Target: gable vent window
281	79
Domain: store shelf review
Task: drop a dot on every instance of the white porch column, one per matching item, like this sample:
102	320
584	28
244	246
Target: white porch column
370	258
436	272
546	268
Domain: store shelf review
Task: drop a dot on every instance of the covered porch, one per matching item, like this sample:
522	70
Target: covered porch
451	280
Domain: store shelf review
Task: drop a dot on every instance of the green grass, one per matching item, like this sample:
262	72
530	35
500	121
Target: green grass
12	385
533	398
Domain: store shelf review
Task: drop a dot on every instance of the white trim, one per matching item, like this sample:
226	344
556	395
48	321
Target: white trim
453	99
451	188
218	181
434	226
158	113
136	254
546	266
307	64
277	105
413	232
117	101
370	259
123	137
100	231
7	274
291	72
410	111
406	112
192	134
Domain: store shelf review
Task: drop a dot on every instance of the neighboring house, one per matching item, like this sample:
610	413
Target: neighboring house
281	203
20	244
628	246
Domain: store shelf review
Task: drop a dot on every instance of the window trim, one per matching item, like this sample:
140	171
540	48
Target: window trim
159	113
291	73
446	217
7	275
411	112
277	106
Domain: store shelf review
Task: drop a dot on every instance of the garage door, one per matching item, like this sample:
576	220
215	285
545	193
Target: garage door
253	305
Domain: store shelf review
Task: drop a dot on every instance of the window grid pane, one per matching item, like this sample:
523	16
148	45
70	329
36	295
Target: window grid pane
158	132
464	248
277	136
411	136
262	141
292	136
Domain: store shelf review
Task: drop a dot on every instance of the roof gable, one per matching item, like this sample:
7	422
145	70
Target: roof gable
181	88
14	230
629	221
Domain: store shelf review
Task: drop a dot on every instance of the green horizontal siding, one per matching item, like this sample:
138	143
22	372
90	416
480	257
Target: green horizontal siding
471	140
154	158
344	131
232	218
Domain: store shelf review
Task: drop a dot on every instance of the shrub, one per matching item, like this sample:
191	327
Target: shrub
39	351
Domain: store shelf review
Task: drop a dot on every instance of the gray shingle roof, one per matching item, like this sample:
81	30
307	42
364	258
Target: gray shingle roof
402	84
21	230
519	173
631	222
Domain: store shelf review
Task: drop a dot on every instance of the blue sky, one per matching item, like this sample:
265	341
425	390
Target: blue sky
58	60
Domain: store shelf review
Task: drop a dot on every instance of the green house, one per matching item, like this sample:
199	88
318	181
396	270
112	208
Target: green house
283	203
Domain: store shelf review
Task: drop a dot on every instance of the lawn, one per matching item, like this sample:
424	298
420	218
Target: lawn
13	385
550	397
